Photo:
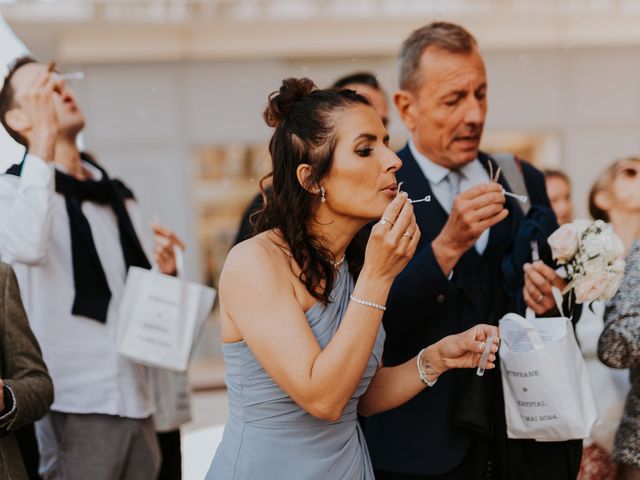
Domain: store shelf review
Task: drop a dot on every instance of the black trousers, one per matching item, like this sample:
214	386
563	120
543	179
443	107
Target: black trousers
171	467
475	464
523	460
461	472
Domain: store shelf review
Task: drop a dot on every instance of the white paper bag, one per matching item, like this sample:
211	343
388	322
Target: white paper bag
546	388
160	317
172	396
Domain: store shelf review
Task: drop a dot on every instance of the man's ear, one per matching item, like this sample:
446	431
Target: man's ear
304	175
407	109
17	120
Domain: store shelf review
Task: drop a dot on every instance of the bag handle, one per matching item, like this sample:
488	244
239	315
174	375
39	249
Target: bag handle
179	254
557	296
532	332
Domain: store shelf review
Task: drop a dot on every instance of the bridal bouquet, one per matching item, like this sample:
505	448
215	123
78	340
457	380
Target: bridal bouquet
592	256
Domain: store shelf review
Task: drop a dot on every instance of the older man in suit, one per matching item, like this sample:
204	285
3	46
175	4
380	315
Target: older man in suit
456	430
26	390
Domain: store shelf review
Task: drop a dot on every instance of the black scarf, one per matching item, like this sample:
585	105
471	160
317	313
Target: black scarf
92	292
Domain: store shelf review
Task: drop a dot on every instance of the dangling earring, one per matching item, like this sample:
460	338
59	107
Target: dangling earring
323	197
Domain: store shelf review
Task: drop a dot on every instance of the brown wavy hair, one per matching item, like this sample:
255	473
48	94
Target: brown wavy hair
305	133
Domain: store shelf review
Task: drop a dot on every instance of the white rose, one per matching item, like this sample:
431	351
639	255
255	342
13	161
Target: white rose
580	226
563	243
616	247
596	244
618	266
600	240
601	224
590	287
595	265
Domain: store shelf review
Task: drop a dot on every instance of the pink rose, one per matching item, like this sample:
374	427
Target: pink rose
591	287
563	243
615	279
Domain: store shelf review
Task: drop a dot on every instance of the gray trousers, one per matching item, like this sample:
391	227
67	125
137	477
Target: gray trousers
97	447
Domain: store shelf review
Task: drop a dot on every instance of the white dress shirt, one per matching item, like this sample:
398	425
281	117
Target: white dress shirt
473	173
89	376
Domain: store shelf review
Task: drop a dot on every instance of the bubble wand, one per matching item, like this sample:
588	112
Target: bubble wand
418	200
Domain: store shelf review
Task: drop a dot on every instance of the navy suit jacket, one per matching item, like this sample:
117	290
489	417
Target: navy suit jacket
425	436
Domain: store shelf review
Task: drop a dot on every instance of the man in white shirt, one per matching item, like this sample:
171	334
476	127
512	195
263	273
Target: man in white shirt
71	233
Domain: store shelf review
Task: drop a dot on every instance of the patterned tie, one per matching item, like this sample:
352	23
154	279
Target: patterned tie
454	177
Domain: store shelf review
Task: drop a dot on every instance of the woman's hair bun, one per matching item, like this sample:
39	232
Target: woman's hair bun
281	102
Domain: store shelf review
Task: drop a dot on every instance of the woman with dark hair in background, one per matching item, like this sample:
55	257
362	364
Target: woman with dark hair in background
302	342
367	85
615	198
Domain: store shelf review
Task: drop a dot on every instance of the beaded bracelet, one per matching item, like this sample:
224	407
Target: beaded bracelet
425	369
367	304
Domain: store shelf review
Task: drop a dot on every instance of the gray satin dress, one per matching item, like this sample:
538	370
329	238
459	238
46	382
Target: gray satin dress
270	437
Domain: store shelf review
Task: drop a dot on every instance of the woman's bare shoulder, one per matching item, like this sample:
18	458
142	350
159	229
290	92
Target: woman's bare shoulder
262	255
263	247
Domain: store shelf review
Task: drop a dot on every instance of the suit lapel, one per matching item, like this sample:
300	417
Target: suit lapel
430	216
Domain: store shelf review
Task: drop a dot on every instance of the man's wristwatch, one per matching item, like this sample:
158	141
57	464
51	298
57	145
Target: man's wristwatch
425	369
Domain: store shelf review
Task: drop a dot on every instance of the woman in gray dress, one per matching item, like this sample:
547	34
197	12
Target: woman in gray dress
615	198
302	301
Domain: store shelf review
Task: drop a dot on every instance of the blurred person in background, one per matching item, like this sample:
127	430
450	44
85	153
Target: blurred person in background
302	301
559	191
367	85
615	198
71	232
26	391
364	83
609	385
455	280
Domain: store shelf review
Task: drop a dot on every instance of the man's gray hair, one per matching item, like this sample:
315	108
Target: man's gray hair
443	35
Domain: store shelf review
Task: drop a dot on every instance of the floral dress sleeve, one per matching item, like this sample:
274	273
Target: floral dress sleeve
619	344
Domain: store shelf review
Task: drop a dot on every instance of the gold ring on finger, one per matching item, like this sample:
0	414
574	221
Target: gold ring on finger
540	298
385	220
408	234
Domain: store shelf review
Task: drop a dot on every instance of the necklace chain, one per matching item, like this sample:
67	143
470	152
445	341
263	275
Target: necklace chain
339	262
